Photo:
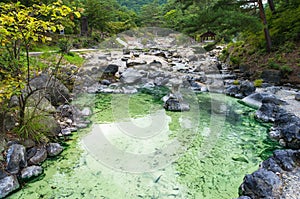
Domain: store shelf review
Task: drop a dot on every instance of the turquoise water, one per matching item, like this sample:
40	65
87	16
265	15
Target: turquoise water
204	153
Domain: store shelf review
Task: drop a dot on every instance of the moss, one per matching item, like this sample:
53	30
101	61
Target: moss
236	82
258	82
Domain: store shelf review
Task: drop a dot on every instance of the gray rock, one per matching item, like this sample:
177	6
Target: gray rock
297	97
161	81
56	92
274	177
8	185
31	171
54	149
39	156
175	103
247	88
131	62
269	110
16	158
271	76
3	174
111	69
286	130
255	99
131	76
244	197
86	111
261	184
105	82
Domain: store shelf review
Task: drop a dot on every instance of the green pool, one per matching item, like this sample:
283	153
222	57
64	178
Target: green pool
135	149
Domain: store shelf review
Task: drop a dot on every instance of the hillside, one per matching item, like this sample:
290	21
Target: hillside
137	4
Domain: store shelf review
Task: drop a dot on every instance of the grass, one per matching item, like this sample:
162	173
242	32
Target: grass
44	48
74	58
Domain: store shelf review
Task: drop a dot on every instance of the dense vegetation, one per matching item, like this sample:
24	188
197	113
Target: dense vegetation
260	36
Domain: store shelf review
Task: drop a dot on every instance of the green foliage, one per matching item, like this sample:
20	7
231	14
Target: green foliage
258	82
21	26
273	65
235	60
286	69
236	82
136	5
74	58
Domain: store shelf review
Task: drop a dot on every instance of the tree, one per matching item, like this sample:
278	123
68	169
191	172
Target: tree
19	27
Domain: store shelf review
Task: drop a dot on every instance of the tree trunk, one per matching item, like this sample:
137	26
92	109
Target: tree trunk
266	29
271	5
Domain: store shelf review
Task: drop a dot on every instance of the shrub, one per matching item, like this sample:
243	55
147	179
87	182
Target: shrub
258	82
236	82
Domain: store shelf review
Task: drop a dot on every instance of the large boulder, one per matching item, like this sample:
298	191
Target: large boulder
16	158
8	185
56	92
255	99
242	90
271	76
261	184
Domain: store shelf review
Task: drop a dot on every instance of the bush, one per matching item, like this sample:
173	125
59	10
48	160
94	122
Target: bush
236	82
258	82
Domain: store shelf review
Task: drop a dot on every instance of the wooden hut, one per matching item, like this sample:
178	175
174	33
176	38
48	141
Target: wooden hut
208	36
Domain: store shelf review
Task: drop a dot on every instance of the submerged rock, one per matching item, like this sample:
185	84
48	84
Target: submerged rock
8	185
54	149
16	158
31	171
175	103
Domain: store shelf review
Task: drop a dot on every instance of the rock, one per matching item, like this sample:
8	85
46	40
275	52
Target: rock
56	92
131	62
275	176
32	171
111	69
86	112
66	132
156	64
54	149
16	158
39	156
232	90
105	82
28	143
247	88
3	174
271	76
161	81
131	76
175	103
66	110
261	184
255	99
297	97
286	130
244	197
269	110
8	185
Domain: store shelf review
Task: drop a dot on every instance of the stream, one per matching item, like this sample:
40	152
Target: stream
135	149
